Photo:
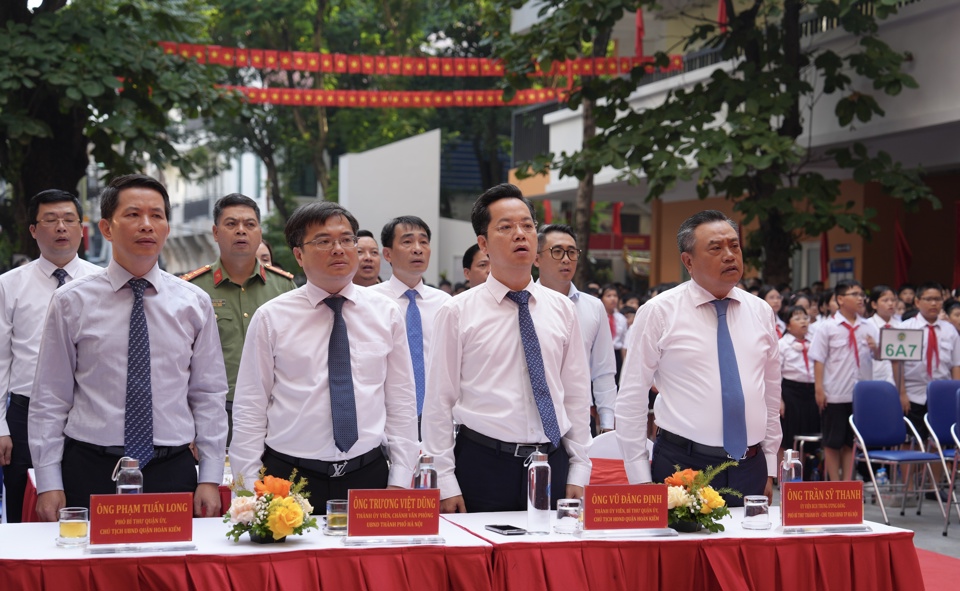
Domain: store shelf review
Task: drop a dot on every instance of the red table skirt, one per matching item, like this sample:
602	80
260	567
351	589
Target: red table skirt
863	563
401	569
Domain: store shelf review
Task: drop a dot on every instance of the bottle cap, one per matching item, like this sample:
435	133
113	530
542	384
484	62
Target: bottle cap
790	455
127	463
426	459
538	456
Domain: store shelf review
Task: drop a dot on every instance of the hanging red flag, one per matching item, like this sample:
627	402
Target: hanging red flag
409	67
285	59
271	58
433	66
256	58
824	260
486	67
638	39
368	65
615	226
625	66
363	99
473	66
228	56
498	68
326	62
199	53
340	63
382	65
460	66
446	66
313	62
168	47
902	255
428	99
722	17
214	53
396	65
354	65
375	99
420	66
547	211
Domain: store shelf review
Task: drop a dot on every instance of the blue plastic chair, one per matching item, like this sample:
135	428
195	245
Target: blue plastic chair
952	473
878	422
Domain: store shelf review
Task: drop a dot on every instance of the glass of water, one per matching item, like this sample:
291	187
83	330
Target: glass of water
756	512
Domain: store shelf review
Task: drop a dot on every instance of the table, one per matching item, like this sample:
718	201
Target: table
31	561
735	559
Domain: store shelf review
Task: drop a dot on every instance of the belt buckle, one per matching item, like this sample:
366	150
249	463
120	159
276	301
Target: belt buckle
516	452
338	469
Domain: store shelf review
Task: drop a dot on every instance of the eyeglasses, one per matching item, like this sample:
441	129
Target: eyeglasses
52	221
558	252
328	243
506	228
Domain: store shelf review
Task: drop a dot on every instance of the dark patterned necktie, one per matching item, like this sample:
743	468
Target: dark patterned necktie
538	378
734	413
138	416
415	340
343	405
61	276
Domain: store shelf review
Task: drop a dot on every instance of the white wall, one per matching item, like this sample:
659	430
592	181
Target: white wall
402	178
455	237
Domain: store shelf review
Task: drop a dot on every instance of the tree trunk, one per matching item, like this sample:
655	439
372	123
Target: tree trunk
273	182
584	203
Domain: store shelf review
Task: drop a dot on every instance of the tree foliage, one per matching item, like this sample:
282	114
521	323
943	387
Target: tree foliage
739	133
84	80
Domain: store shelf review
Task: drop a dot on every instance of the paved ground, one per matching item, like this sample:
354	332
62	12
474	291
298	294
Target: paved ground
927	527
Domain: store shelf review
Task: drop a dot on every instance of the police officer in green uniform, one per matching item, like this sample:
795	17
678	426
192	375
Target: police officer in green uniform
237	282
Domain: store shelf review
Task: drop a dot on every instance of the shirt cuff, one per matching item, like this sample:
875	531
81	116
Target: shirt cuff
449	486
49	478
638	472
400	476
606	417
578	474
211	471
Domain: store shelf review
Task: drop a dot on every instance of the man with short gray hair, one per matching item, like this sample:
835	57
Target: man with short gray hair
712	351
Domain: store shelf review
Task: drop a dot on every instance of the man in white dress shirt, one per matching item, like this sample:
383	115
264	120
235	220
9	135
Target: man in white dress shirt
99	395
676	345
325	383
406	246
557	258
510	396
25	292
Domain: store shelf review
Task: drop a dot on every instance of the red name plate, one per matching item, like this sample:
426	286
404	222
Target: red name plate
822	503
129	519
408	512
625	506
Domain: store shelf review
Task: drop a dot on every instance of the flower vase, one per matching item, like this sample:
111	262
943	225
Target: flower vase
256	539
686	527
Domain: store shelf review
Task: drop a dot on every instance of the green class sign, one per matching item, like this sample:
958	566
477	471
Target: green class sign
899	344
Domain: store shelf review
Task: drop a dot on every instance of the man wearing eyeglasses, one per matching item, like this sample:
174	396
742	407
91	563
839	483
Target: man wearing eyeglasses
326	383
25	293
509	367
237	282
557	256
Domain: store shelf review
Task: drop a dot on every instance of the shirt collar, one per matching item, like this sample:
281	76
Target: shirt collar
573	293
47	267
220	275
702	296
119	276
839	319
499	290
315	294
399	288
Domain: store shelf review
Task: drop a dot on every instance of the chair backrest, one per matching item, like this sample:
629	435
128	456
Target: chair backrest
942	397
605	446
878	415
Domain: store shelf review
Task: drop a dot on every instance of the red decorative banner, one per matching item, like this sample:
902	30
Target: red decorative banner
130	519
393	99
822	503
407	512
625	506
403	66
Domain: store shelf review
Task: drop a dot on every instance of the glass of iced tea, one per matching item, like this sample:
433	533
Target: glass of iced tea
336	518
74	526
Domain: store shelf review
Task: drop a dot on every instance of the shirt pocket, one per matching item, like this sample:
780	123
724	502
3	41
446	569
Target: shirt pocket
368	360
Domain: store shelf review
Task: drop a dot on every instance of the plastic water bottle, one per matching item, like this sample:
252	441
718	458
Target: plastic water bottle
129	477
426	476
882	479
538	494
791	470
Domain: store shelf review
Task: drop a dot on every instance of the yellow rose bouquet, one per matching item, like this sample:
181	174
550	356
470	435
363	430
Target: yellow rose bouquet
692	503
274	510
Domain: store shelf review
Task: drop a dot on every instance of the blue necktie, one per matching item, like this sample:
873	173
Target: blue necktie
343	406
415	340
138	414
61	276
538	379
734	415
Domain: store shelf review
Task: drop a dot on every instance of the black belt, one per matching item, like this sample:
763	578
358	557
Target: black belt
20	400
159	451
706	450
331	469
517	450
